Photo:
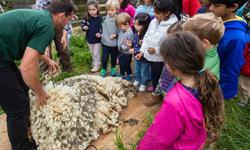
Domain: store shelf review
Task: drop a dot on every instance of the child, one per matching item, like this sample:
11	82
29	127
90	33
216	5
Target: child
167	80
167	12
244	12
190	7
109	37
210	30
142	75
192	112
92	25
244	80
125	35
125	6
147	7
231	45
204	6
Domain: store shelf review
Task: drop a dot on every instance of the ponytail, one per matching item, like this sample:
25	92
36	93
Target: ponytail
212	102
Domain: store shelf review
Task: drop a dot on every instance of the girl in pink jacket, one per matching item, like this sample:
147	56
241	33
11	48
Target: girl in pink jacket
192	111
125	6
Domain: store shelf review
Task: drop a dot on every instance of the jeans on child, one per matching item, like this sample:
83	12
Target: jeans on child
125	61
142	72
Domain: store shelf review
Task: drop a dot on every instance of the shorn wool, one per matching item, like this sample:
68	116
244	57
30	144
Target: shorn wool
78	111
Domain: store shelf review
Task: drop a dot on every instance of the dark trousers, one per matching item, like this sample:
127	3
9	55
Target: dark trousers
156	70
62	53
14	100
106	51
125	61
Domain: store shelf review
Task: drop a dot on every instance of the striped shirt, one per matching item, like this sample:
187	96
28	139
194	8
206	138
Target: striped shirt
122	37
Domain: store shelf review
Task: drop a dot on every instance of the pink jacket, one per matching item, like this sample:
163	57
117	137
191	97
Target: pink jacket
130	9
179	125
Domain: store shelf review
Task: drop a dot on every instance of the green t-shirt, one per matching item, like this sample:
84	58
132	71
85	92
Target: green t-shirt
212	62
23	28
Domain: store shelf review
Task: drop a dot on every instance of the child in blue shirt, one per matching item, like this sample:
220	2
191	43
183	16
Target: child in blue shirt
147	7
231	46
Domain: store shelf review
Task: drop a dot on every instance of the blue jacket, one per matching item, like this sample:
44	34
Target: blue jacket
146	9
230	50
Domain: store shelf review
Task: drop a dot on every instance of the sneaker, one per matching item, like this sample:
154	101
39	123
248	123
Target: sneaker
150	88
155	93
136	83
113	72
142	88
95	69
103	72
128	78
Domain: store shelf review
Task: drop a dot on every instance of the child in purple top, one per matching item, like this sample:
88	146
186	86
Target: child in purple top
192	112
141	66
167	80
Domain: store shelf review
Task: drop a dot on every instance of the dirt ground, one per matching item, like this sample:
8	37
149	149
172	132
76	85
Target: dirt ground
135	111
4	140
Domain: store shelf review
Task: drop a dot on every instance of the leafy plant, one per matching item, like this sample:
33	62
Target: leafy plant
80	57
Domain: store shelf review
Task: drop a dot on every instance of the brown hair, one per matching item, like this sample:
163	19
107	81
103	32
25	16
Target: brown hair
184	52
62	6
206	26
122	19
95	4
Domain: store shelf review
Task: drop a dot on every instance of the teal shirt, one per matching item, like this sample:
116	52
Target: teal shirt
212	62
23	28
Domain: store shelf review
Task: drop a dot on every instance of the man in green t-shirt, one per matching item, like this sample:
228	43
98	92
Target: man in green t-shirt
24	35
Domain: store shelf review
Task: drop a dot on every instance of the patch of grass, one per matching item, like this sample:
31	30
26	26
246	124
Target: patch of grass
119	141
236	131
80	57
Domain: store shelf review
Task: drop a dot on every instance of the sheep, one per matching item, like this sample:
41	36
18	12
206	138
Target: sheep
79	110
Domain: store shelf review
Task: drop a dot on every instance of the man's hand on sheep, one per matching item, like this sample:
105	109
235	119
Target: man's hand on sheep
41	98
53	66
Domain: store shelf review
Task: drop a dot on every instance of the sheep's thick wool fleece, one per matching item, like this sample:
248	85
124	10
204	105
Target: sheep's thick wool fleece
78	111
